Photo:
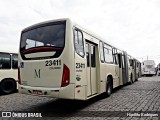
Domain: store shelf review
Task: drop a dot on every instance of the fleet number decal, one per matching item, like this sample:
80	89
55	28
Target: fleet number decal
53	62
80	65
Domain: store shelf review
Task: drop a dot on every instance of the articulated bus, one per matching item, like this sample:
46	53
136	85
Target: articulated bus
60	59
8	72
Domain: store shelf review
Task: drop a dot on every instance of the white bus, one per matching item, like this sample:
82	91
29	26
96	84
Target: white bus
148	67
60	59
8	72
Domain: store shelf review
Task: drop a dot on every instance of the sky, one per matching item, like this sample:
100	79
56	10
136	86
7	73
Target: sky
132	25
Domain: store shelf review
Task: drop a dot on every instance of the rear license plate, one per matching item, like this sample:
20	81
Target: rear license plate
37	92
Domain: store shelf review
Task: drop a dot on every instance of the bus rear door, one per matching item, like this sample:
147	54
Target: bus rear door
91	69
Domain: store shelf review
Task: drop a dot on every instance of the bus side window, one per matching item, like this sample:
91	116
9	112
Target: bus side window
93	57
115	57
119	60
78	42
14	61
101	52
108	54
5	61
131	62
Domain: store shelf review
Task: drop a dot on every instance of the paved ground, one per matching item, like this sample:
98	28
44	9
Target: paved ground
142	97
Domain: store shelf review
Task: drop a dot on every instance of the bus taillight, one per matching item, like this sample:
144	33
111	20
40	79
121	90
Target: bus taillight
19	78
66	76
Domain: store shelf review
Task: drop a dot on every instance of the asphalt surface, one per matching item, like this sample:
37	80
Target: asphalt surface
141	100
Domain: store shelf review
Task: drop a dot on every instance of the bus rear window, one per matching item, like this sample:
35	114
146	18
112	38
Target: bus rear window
42	39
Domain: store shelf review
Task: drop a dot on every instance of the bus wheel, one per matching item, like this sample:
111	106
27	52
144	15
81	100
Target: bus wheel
7	86
109	88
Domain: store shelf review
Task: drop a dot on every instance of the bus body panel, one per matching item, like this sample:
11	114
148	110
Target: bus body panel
11	73
106	70
80	77
37	74
80	93
116	79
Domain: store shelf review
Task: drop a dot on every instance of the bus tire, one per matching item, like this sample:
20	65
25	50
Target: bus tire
109	87
8	86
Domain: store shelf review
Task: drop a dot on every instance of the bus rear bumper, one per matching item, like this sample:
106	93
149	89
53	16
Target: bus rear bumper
61	92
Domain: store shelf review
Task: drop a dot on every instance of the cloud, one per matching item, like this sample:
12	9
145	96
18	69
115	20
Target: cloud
133	25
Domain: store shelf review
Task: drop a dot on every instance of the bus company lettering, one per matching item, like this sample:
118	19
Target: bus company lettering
37	73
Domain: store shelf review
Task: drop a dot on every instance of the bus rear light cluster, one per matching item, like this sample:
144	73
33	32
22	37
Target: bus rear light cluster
19	77
65	76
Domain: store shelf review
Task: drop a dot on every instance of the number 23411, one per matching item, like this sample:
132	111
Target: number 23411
53	62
